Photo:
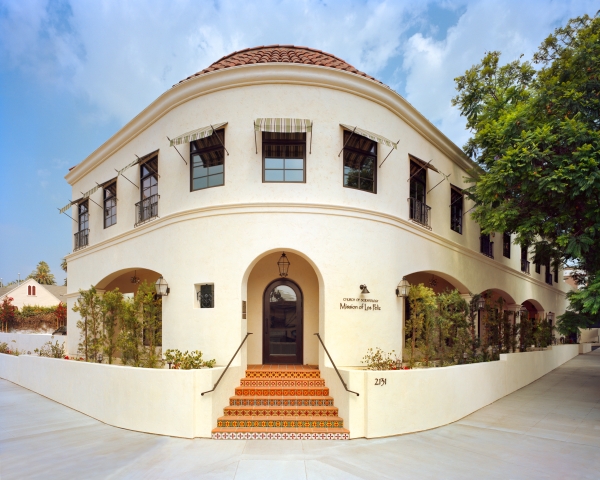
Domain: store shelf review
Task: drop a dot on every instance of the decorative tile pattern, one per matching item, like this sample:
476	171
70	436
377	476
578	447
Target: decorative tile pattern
281	402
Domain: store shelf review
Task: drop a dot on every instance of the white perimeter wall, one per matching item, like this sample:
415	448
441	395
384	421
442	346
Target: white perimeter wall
160	401
168	402
28	342
421	399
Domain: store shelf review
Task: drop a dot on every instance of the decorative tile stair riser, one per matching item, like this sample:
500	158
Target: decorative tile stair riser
281	402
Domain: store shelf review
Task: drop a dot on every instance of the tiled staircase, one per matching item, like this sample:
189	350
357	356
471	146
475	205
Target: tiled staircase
284	402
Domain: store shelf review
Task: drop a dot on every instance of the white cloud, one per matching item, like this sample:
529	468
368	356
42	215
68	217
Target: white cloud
120	55
513	27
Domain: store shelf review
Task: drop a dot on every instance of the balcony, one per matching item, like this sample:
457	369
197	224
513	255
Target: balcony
81	239
525	266
146	210
420	213
485	246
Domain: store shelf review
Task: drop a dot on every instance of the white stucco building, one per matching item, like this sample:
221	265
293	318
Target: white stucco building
289	150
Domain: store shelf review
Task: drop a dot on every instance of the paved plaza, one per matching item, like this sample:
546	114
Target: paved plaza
549	429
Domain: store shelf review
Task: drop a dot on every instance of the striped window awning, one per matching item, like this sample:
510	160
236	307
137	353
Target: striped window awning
196	134
66	207
371	135
283	125
90	192
135	162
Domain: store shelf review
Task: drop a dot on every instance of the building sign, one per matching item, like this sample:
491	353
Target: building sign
364	304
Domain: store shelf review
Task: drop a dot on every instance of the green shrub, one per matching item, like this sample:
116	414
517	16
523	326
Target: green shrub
379	360
187	360
51	351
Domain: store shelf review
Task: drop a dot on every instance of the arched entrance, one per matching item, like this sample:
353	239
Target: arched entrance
283	323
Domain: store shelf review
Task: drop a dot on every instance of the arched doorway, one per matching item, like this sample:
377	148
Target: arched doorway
283	323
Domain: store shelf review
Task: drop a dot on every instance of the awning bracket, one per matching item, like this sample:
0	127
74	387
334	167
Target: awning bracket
218	138
445	178
68	215
347	141
147	166
89	198
386	157
177	151
127	179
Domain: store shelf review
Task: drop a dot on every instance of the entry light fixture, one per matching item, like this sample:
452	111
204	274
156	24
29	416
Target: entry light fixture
550	316
403	288
523	309
162	287
135	278
283	264
481	303
364	289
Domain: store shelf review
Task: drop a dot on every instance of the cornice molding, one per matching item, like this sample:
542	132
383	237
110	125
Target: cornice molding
306	208
272	73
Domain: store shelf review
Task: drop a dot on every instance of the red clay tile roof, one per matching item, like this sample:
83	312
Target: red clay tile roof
281	54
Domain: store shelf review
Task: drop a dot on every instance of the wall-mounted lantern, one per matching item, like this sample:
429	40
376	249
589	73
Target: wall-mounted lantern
481	303
550	317
403	288
283	264
364	289
162	287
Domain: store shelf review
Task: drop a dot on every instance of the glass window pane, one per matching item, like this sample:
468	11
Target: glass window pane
366	185
294	175
294	163
273	162
200	172
215	180
199	183
273	175
215	169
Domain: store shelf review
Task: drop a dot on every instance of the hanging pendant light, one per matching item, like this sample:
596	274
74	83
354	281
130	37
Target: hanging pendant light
135	278
283	264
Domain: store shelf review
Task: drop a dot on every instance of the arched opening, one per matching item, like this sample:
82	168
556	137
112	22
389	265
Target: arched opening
439	282
534	308
127	280
276	334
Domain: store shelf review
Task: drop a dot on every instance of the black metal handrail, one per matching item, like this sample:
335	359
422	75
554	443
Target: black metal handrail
525	265
81	238
146	209
333	363
236	352
420	212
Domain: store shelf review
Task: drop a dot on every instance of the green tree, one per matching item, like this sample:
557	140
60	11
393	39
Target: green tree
130	338
422	307
111	306
452	325
90	324
536	138
42	274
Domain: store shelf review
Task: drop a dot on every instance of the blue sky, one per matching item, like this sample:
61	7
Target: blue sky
73	72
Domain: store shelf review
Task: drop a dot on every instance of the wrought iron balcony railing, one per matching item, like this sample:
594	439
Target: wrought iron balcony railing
486	246
525	265
81	239
146	210
419	212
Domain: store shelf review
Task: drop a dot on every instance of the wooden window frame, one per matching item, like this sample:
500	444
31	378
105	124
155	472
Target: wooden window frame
86	213
220	146
361	152
458	191
266	142
505	250
108	188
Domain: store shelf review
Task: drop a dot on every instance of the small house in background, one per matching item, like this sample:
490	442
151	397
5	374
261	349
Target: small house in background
30	293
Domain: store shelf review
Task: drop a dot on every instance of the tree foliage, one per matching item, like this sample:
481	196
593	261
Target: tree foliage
90	326
42	274
536	137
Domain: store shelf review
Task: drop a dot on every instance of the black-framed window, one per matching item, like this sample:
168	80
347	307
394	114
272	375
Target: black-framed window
538	266
555	273
524	258
110	205
486	246
284	157
418	182
207	161
456	209
149	178
506	245
360	162
206	296
548	273
83	216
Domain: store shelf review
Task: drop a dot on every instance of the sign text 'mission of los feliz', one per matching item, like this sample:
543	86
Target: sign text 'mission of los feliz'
365	304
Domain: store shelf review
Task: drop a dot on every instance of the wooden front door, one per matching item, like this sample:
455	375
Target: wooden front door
282	323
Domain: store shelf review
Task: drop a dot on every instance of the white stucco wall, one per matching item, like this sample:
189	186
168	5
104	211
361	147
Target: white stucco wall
26	342
169	402
349	237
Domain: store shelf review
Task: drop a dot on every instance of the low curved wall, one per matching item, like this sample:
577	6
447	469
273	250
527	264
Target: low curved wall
420	399
160	401
168	402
